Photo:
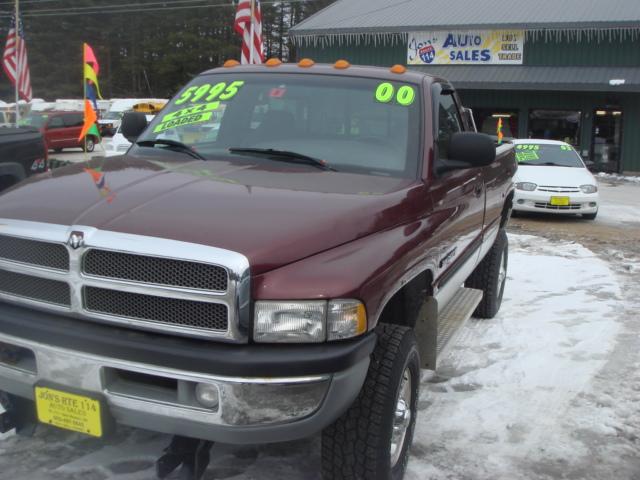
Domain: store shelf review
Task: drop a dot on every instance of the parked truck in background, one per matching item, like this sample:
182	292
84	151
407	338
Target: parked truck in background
281	269
22	154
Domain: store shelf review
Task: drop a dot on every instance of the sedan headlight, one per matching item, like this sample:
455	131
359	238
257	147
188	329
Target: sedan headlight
311	321
589	188
526	186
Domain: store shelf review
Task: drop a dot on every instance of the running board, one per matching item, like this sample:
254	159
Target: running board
453	317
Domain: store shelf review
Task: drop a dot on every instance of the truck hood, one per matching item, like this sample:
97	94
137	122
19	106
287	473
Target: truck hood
272	213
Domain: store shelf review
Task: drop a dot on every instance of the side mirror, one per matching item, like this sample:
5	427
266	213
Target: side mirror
476	149
468	150
133	124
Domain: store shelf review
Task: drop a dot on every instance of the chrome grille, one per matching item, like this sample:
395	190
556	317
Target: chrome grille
154	270
33	288
548	206
135	281
33	252
211	316
555	189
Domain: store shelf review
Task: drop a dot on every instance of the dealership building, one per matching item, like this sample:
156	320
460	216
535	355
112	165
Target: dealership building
558	69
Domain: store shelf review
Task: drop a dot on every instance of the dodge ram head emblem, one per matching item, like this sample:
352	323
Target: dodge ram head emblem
76	240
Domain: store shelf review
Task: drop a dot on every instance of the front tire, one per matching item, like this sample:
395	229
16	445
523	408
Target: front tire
490	276
89	144
371	440
590	216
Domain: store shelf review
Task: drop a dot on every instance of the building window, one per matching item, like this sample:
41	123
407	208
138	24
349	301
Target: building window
563	125
487	121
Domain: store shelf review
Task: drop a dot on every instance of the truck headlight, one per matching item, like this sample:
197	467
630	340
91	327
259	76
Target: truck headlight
526	186
588	188
310	321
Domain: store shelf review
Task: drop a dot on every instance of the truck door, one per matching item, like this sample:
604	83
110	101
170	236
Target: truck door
458	196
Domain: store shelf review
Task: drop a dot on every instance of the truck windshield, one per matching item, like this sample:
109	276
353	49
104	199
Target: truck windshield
548	155
359	125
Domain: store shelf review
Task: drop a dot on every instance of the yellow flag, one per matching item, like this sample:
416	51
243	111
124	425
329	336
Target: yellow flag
89	74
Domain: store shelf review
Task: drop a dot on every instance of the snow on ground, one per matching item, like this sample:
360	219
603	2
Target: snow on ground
548	389
520	396
617	177
619	204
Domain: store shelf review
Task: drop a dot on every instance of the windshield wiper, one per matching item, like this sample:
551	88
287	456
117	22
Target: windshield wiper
179	146
285	156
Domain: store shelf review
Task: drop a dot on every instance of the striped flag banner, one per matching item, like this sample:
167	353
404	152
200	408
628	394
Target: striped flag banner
252	49
14	60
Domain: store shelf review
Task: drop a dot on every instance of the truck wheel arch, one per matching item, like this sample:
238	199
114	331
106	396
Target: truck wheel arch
415	307
10	174
507	209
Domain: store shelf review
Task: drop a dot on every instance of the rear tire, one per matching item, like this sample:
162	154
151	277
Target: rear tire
590	216
490	276
371	440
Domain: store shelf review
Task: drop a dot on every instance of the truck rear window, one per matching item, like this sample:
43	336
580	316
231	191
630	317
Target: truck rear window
353	124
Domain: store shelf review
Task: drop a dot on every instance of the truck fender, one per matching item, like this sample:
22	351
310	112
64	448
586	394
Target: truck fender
14	170
426	330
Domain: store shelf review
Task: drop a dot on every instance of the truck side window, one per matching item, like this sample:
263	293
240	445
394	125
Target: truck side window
448	123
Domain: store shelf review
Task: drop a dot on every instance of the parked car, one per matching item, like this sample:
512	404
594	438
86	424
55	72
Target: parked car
61	130
552	178
258	284
118	145
22	154
7	119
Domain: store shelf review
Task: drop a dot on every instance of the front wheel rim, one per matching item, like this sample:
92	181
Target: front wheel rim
502	272
401	417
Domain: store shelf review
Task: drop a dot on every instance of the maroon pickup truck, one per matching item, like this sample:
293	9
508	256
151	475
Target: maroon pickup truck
280	252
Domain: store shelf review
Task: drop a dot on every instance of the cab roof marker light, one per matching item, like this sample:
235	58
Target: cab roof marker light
341	64
398	69
273	62
306	63
231	63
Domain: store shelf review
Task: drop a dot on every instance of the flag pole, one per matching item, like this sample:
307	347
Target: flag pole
253	7
18	71
84	93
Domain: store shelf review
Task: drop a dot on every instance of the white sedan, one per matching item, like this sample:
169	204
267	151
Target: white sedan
118	145
552	178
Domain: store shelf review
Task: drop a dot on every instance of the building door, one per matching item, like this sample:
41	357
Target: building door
606	141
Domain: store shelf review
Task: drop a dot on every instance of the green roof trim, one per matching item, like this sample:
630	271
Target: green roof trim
373	21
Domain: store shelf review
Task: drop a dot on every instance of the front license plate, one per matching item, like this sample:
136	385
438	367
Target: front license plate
69	411
559	201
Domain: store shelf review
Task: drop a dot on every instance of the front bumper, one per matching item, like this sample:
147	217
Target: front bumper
148	380
540	202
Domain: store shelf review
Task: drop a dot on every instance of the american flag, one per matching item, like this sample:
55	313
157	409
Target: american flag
16	66
242	25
